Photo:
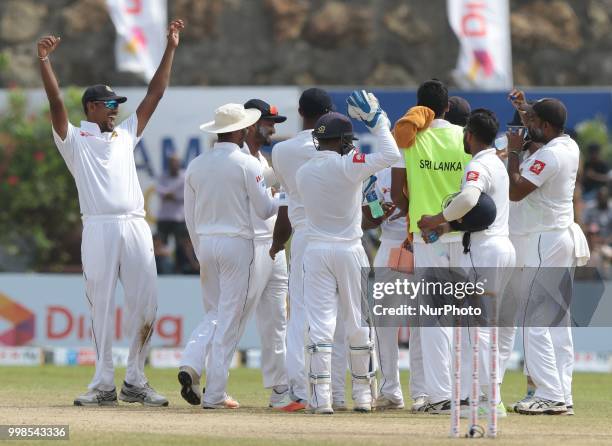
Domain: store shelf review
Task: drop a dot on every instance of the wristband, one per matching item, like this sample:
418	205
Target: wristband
42	59
515	152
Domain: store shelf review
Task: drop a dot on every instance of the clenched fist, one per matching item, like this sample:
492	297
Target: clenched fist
46	45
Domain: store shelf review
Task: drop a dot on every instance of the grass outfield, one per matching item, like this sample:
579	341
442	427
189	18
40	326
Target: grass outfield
44	396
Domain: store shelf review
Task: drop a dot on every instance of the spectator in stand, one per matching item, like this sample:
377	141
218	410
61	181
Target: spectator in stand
598	217
171	216
595	172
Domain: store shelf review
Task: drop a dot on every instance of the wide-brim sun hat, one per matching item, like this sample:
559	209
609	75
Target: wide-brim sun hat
231	117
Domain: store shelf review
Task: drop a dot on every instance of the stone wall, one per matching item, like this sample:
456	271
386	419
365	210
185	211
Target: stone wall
287	42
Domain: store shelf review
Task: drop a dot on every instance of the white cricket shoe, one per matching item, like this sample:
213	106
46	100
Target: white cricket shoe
97	397
483	409
528	397
145	395
227	403
190	385
321	410
570	410
419	403
539	406
440	408
278	400
362	407
384	403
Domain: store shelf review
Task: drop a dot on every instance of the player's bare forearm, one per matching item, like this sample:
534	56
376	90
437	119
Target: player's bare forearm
59	115
160	79
282	231
398	181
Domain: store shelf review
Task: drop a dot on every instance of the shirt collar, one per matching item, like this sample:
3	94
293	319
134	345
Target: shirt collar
230	146
483	153
91	127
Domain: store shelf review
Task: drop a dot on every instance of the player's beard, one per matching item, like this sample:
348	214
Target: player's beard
265	135
536	134
466	145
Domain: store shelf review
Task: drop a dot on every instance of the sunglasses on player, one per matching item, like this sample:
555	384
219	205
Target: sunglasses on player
111	104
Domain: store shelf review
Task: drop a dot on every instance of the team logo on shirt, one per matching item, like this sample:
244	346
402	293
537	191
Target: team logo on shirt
537	167
85	133
472	175
258	178
359	158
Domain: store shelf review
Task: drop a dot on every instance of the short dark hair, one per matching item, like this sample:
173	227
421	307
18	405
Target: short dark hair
484	125
433	94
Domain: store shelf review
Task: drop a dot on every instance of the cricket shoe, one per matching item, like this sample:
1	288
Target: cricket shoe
294	406
570	410
528	397
339	406
418	403
321	410
539	406
97	397
483	409
384	403
362	407
190	385
227	403
145	395
440	408
281	399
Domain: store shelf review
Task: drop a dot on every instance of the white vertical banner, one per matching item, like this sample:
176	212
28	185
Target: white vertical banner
485	55
141	34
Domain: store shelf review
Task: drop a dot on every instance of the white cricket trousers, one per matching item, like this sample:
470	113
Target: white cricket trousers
268	300
297	330
512	302
436	341
226	274
388	350
296	324
497	256
119	247
332	288
549	351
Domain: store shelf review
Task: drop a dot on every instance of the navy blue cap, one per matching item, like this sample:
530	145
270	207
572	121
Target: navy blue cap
101	93
268	111
333	125
479	218
315	102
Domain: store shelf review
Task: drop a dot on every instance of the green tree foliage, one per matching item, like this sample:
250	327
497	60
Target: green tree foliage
39	212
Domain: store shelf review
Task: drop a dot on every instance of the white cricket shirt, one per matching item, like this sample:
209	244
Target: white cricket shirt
330	187
487	173
553	169
220	185
103	167
287	157
262	229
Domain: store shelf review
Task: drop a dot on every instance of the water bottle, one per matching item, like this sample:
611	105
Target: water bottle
373	203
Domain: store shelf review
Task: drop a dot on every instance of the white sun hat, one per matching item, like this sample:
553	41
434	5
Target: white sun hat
231	117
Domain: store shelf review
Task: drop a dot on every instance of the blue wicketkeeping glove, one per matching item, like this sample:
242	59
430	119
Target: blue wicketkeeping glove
365	107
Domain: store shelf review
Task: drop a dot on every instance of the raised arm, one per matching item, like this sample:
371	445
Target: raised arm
160	80
59	115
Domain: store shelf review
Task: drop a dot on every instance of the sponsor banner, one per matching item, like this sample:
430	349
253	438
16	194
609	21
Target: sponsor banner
141	34
57	312
86	356
21	356
592	362
485	54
